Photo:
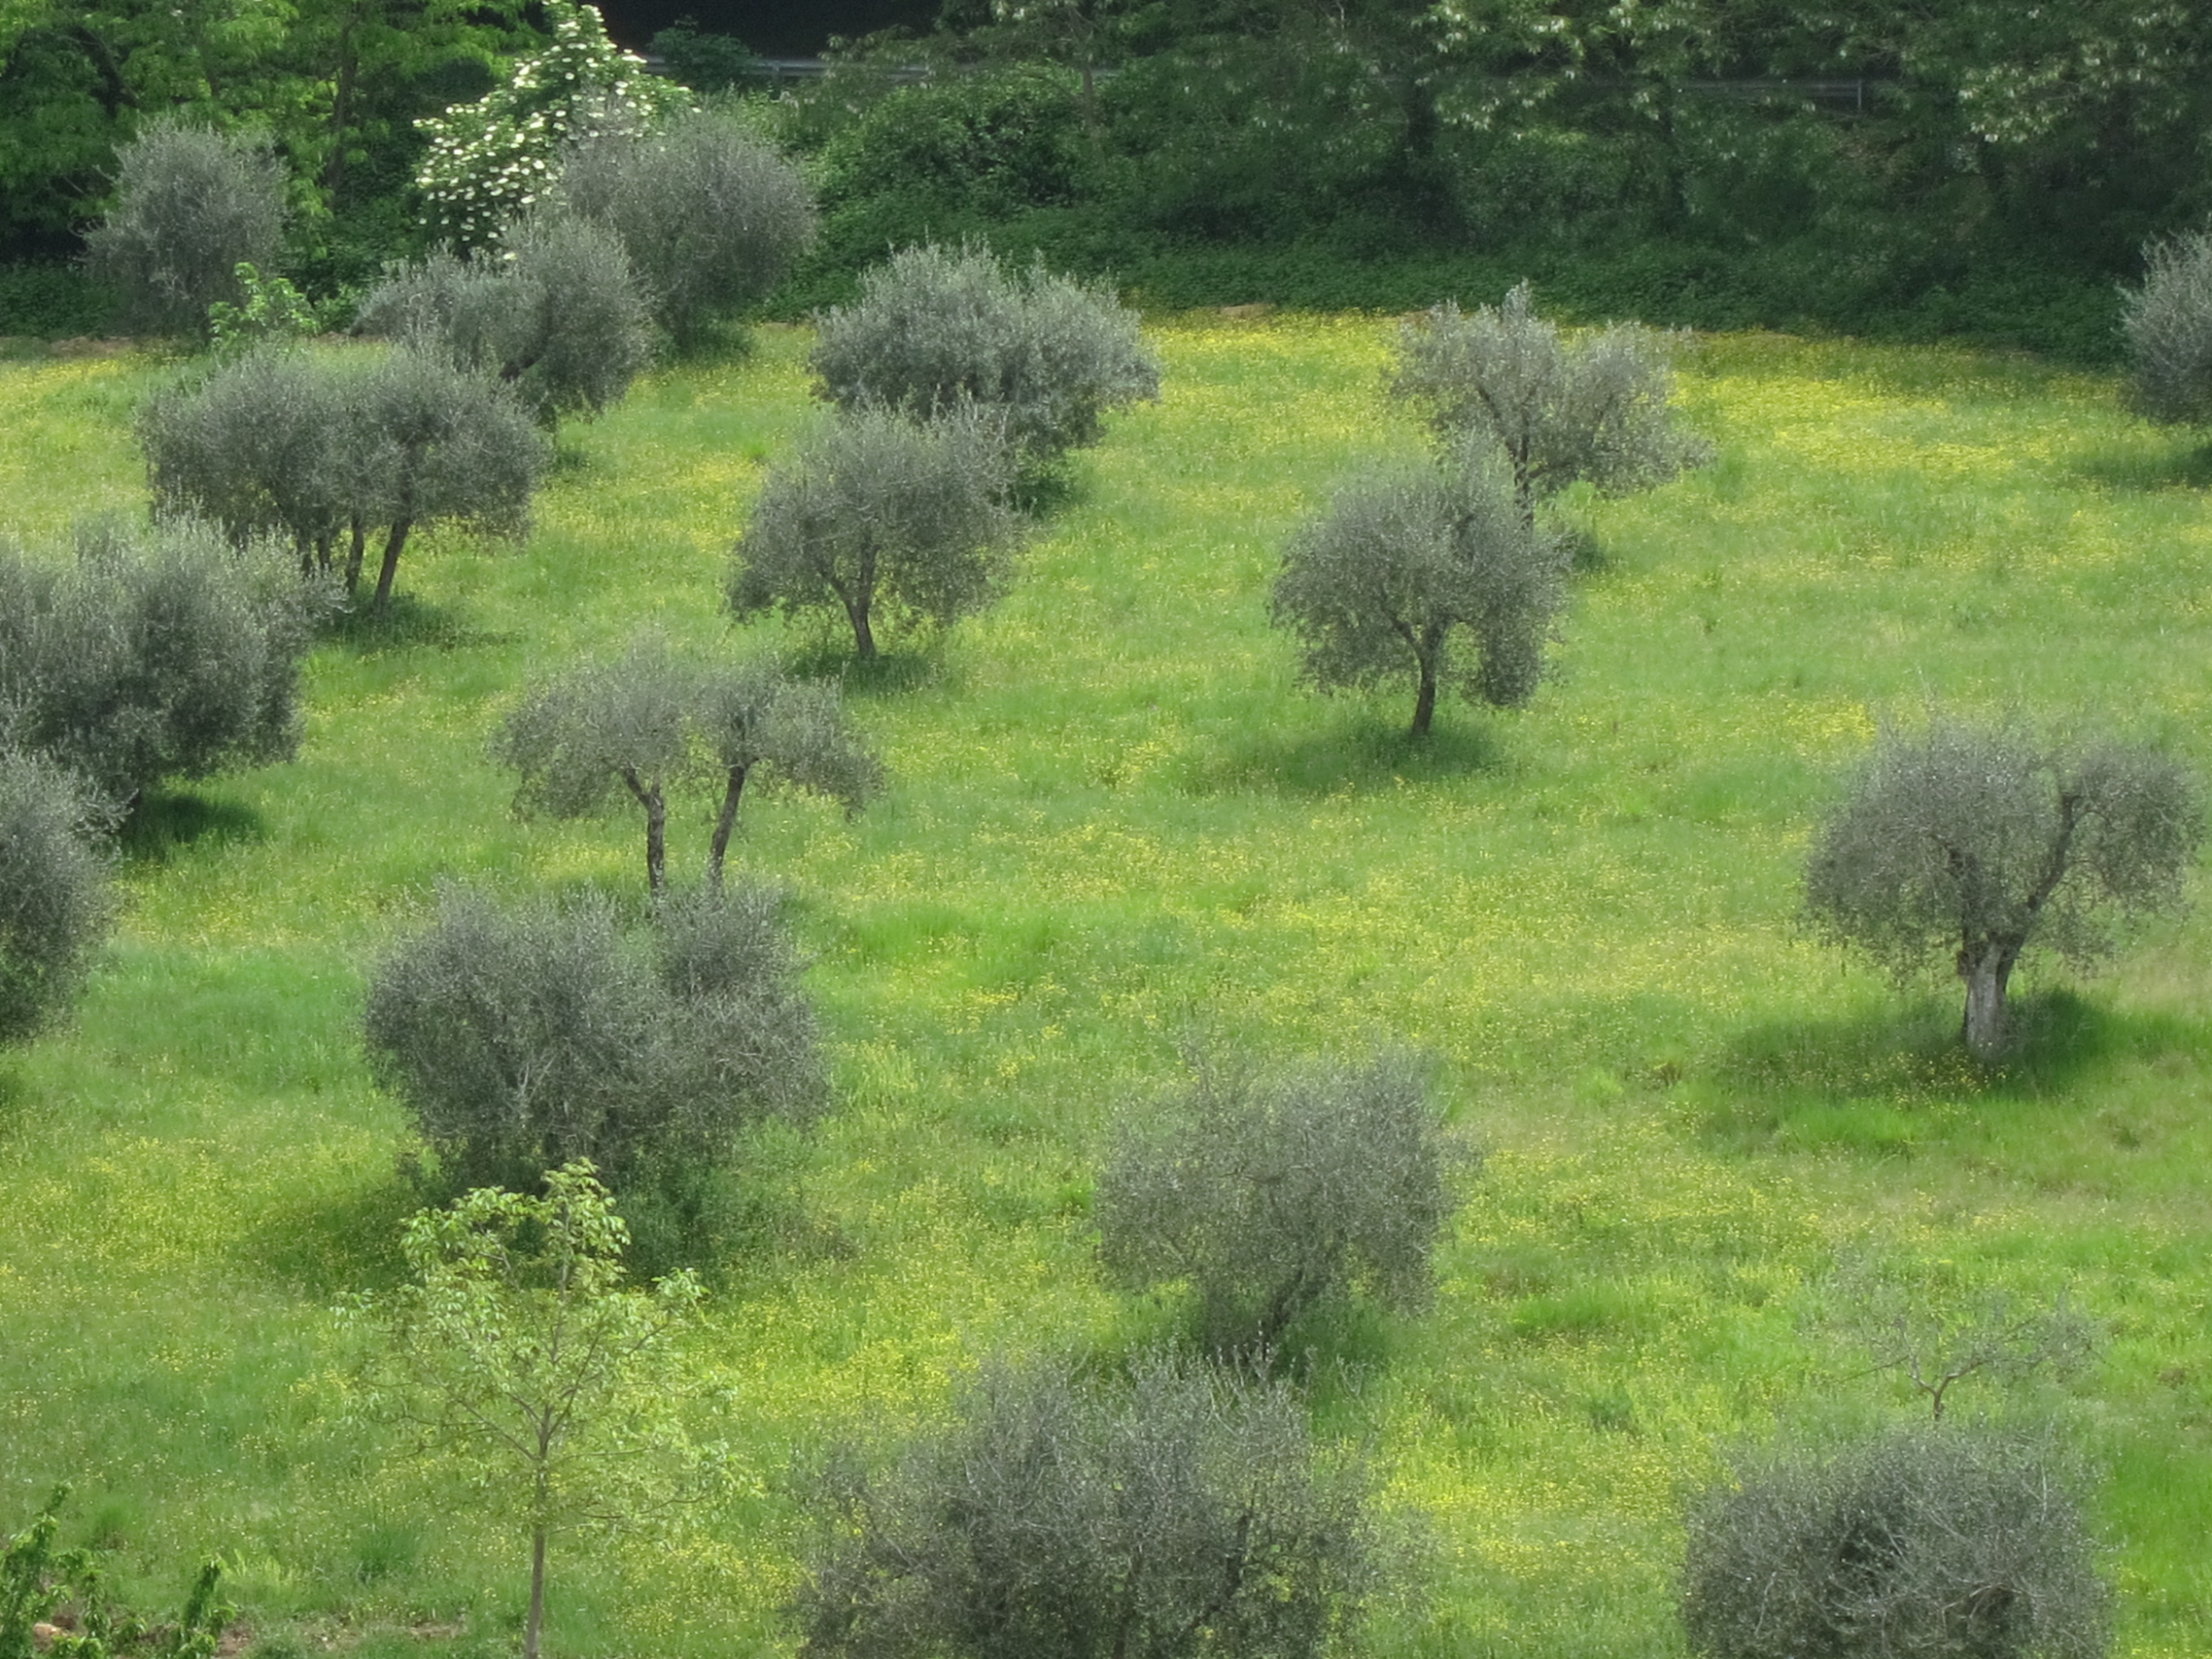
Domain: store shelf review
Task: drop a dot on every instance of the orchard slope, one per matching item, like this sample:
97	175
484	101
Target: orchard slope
1116	824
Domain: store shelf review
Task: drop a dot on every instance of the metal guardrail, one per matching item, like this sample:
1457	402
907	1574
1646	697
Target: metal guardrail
1853	93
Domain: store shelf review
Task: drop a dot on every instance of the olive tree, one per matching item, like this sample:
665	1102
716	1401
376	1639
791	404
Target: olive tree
191	205
316	449
710	215
157	652
522	1036
557	313
1943	1542
1385	584
878	511
1178	1512
1267	1194
652	720
515	1353
1598	409
1980	842
2168	323
54	899
259	447
934	330
427	443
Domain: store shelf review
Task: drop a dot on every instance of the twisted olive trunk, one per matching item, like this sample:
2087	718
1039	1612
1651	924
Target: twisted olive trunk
1427	645
1986	972
725	823
650	797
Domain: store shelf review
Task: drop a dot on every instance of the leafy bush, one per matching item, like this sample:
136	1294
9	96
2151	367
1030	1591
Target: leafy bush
992	143
54	902
2168	323
1379	588
710	215
161	653
933	330
880	511
706	60
37	1580
190	204
651	720
1930	1541
1598	409
1177	1513
558	316
490	161
524	1038
1970	844
1269	1195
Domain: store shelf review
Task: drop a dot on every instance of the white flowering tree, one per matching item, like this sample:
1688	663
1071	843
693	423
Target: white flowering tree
490	160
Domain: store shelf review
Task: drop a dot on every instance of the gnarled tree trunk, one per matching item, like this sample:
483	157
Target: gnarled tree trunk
725	822
1986	969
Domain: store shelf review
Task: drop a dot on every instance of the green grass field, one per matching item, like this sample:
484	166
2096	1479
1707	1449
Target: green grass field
1118	828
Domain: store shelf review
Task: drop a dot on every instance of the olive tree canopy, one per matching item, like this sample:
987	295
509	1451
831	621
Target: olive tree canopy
521	1036
878	511
934	330
1946	1542
1267	1194
1408	561
1977	843
1177	1513
1599	408
711	216
557	314
159	652
54	901
191	204
2168	321
653	720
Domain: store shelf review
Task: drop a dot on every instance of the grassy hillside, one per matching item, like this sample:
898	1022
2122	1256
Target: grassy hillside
1118	828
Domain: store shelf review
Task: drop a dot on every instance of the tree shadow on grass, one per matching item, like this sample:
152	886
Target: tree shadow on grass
164	821
896	670
1360	756
1878	1081
408	624
2177	461
322	1247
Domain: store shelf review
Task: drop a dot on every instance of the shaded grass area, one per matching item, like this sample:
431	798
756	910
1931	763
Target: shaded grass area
1118	828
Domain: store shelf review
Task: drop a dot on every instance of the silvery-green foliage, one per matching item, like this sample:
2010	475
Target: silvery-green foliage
158	653
711	216
1177	1512
1598	407
427	441
557	314
933	329
1969	844
490	161
651	720
757	722
1267	1194
1383	586
877	511
2168	322
191	205
258	447
1943	1542
523	1036
54	899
